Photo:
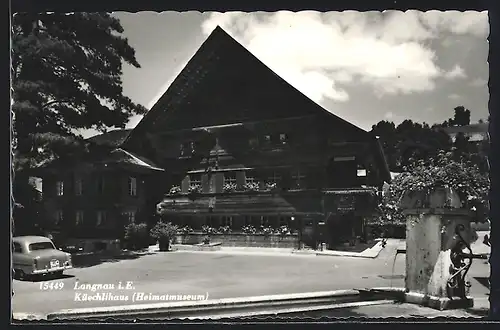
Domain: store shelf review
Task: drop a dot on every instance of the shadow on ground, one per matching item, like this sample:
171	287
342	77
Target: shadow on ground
93	259
41	278
484	281
357	248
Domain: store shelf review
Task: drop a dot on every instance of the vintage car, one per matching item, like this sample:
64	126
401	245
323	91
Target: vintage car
37	255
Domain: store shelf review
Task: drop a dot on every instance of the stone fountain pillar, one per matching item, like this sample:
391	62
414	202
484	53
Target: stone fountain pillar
431	223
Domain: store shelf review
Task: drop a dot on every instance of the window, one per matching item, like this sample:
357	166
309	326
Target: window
284	221
264	221
267	138
283	138
132	186
129	216
60	188
187	148
249	178
41	246
59	217
78	186
194	179
230	178
101	218
299	179
100	185
248	220
361	172
79	217
227	221
274	177
17	248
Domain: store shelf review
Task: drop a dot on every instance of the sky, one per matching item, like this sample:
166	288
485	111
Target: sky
362	66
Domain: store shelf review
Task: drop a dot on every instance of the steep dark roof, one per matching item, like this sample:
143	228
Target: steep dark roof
224	76
111	139
222	55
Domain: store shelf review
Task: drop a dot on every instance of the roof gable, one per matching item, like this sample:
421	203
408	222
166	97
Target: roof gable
223	83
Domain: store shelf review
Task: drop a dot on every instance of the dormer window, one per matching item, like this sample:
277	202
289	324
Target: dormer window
60	188
187	148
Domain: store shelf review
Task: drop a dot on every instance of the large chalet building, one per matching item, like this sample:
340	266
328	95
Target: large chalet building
241	147
231	143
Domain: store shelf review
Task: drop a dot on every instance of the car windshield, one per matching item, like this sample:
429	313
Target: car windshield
41	246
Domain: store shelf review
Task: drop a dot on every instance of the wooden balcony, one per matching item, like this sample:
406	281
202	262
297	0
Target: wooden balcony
306	202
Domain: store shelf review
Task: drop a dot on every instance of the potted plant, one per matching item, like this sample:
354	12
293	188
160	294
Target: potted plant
163	232
136	235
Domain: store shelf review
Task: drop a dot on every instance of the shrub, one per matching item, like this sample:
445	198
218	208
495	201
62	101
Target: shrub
136	236
445	171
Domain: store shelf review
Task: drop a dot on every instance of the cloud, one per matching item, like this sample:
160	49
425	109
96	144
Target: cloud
454	96
479	82
388	115
455	73
322	54
463	23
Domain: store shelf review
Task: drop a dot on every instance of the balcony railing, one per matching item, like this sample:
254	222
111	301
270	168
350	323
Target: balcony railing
254	187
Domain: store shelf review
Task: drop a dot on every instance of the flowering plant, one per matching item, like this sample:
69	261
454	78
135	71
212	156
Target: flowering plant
224	230
195	188
251	186
445	171
271	185
209	230
175	190
229	187
266	231
283	230
185	230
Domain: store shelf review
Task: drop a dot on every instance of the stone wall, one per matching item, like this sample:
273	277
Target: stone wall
242	240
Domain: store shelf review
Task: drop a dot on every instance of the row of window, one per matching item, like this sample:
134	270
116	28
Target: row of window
297	176
189	148
78	186
101	217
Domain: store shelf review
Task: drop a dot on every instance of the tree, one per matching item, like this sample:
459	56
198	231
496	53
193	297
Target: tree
461	116
66	76
410	141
